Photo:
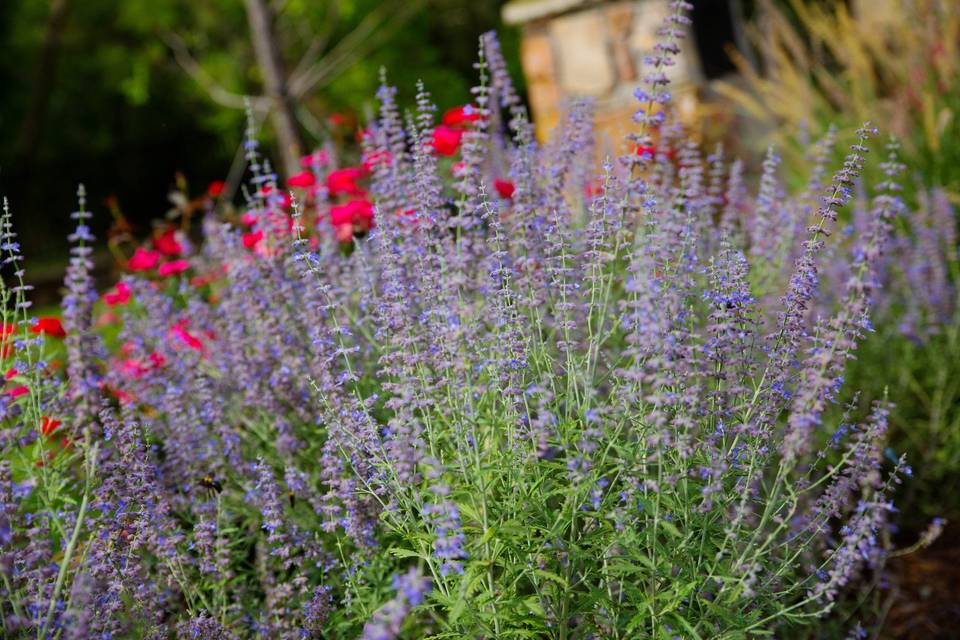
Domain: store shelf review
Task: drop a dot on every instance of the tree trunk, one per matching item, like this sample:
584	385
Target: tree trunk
275	82
43	83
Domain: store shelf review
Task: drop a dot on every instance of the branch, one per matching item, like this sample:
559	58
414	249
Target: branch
319	42
220	95
357	43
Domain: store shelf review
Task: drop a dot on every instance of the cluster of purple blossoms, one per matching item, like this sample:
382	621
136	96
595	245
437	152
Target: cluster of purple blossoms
635	432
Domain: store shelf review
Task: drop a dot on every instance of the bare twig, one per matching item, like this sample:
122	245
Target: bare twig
366	37
220	95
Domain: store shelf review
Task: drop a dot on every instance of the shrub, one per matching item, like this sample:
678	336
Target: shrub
557	412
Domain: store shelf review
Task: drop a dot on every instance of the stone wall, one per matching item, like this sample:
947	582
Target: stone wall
581	48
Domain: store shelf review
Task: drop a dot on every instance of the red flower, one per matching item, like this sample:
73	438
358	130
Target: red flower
173	267
251	240
131	367
356	212
215	188
343	232
143	260
363	134
459	116
504	187
649	151
446	140
652	151
48	424
302	180
337	119
50	326
315	159
167	243
10	374
410	216
121	395
249	218
345	181
458	169
157	359
179	330
375	159
18	391
282	199
593	188
119	295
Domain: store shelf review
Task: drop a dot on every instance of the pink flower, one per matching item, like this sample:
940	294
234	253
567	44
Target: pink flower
50	326
249	218
446	140
459	116
504	187
458	169
173	267
18	391
302	180
120	295
167	243
143	260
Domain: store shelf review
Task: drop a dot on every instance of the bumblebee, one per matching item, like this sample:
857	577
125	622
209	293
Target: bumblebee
211	483
292	498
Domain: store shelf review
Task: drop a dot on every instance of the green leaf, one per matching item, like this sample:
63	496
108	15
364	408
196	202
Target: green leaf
404	553
549	575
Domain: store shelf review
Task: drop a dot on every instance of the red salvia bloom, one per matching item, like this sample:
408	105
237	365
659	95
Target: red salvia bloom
446	140
375	159
302	180
18	391
48	425
120	295
173	268
50	326
215	188
459	116
356	212
344	181
343	232
315	159
180	332
504	187
251	240
167	243
143	260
